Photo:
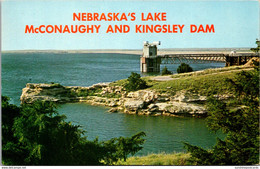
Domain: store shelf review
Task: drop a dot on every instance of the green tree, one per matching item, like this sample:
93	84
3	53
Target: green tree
183	68
42	137
11	149
165	71
241	124
120	148
134	82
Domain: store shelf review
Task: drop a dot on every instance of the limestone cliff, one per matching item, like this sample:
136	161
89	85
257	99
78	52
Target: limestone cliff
143	102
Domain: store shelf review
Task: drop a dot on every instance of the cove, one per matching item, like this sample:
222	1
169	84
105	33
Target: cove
163	134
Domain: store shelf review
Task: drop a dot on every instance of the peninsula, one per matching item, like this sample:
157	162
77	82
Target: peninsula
172	95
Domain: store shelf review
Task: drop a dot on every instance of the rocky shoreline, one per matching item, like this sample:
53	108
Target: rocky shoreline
141	102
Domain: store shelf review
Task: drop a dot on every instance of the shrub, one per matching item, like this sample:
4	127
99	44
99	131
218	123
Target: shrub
35	134
183	68
165	71
134	82
241	145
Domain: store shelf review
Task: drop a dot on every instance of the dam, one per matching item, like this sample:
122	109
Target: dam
150	61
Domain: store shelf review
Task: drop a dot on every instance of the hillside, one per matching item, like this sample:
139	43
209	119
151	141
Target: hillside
175	95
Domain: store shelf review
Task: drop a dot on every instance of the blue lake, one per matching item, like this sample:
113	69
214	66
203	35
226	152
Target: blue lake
164	134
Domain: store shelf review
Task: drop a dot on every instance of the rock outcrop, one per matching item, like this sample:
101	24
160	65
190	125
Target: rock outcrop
143	102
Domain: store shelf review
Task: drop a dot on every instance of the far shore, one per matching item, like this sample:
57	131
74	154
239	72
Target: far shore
138	51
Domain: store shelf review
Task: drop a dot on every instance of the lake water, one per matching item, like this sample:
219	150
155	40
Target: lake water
164	134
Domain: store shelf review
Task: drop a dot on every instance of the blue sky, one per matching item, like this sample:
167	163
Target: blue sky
236	24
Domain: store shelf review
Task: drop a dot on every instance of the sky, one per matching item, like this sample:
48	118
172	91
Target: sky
236	24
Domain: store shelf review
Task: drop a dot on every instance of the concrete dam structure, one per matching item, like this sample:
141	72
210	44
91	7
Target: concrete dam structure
150	61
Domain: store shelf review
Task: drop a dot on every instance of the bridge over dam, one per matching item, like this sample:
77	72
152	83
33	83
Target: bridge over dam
150	61
192	58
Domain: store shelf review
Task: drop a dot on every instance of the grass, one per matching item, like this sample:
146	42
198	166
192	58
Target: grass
158	159
118	83
55	85
202	84
207	82
85	93
208	71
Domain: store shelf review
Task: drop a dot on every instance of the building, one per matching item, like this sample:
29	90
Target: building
149	62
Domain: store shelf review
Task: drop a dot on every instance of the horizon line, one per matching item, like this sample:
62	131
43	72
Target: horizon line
122	49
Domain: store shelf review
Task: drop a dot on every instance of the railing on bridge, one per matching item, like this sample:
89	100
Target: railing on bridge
192	58
150	61
153	64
